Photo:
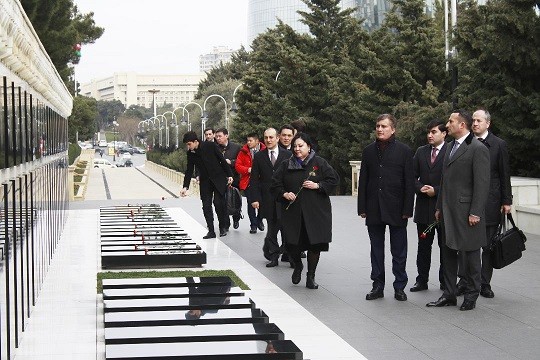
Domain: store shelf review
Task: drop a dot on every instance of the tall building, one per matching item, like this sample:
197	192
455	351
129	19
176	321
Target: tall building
220	54
132	88
263	14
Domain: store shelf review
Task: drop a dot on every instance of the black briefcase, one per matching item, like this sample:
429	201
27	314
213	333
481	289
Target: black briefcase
506	245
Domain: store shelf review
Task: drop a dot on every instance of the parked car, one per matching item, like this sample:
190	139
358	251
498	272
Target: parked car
138	150
124	163
103	164
102	143
126	149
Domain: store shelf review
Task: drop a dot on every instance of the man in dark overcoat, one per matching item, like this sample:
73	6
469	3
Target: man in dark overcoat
230	152
265	162
214	177
461	207
428	162
500	193
386	198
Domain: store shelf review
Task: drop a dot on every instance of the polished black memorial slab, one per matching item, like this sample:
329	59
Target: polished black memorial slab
149	246
190	333
166	282
126	221
130	231
138	236
170	292
173	317
207	303
152	258
131	242
224	350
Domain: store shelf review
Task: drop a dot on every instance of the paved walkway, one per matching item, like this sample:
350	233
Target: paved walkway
334	322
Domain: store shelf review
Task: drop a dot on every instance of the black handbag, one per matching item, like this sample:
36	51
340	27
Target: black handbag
506	245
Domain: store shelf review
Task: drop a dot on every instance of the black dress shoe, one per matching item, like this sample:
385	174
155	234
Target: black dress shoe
461	290
272	263
253	229
297	273
467	305
261	225
486	292
419	286
400	295
310	281
210	235
222	232
442	302
375	293
235	224
303	255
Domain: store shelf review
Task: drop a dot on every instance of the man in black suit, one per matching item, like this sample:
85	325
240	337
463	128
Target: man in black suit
230	152
214	177
461	208
386	197
265	162
427	163
500	193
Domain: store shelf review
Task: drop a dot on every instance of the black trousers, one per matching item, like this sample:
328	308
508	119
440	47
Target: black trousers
271	249
210	194
469	263
398	248
423	258
487	267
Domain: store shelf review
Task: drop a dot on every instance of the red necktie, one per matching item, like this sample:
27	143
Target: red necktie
433	155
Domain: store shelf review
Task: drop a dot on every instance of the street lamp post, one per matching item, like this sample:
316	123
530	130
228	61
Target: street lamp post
115	126
203	120
167	126
234	107
205	115
153	92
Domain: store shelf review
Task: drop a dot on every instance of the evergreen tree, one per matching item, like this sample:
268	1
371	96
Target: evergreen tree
499	69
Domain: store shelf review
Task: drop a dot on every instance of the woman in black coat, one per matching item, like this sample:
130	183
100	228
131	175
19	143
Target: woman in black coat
302	185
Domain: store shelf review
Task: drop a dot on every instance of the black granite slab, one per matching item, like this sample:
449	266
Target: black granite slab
168	318
152	258
225	350
149	246
166	282
189	333
132	243
210	304
133	221
170	292
130	231
150	236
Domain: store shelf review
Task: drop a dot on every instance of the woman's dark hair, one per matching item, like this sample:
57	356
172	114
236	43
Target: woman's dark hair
305	137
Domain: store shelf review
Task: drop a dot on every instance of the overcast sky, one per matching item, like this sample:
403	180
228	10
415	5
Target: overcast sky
159	36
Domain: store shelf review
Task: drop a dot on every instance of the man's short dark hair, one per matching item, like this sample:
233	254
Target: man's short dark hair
465	117
190	136
393	120
252	135
222	130
438	123
299	125
211	129
286	126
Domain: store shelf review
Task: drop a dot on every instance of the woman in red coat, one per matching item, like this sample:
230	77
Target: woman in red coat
243	164
303	185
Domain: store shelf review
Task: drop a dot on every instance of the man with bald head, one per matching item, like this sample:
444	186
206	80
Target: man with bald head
265	162
500	193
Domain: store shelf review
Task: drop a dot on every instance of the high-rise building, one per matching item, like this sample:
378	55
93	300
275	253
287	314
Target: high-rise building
263	14
132	89
220	54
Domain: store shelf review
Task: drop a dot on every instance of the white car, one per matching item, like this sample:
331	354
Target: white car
103	164
102	143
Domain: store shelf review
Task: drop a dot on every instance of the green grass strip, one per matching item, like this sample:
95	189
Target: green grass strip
162	274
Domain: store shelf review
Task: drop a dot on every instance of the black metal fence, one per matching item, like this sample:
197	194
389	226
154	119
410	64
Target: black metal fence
33	188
